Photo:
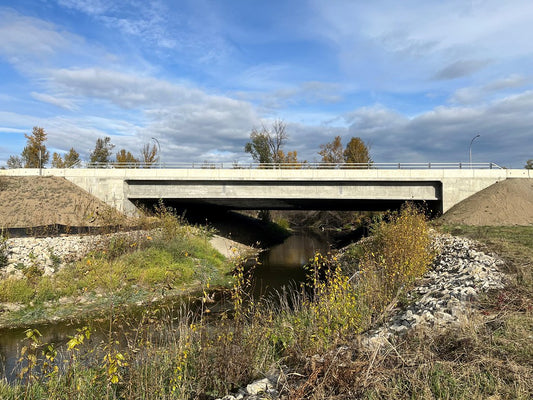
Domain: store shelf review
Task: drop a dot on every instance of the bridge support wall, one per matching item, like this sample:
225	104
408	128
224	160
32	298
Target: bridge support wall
117	186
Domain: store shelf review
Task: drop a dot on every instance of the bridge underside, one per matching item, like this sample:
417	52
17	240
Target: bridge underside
287	195
285	204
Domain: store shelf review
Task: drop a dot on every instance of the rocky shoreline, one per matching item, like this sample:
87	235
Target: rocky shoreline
51	253
446	296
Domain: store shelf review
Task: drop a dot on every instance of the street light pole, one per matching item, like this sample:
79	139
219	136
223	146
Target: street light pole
40	161
159	146
470	149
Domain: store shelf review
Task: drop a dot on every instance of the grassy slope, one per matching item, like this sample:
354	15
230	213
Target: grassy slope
129	272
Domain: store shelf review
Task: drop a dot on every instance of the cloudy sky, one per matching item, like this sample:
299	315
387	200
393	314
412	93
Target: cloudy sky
415	79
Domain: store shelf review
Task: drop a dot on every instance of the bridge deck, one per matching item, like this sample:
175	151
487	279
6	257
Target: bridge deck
281	188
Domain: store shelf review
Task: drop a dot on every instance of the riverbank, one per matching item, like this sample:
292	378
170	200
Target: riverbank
71	277
464	331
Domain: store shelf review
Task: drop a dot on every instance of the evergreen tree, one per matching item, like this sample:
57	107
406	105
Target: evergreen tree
102	151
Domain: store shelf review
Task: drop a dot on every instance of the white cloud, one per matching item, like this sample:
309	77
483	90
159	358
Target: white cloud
92	7
486	92
28	39
480	51
188	122
443	133
413	41
54	100
33	46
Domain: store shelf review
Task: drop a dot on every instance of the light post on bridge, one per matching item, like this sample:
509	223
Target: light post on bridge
159	147
470	149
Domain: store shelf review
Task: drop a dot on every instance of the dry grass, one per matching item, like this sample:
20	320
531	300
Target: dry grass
488	356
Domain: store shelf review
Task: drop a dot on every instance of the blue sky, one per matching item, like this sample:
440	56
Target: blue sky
415	79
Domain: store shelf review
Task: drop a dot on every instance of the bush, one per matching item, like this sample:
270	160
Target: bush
398	253
334	308
13	290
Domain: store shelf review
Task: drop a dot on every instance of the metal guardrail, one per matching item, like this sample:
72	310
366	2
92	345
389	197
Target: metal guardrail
303	165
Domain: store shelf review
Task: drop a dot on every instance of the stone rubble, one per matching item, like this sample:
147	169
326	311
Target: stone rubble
460	273
261	389
51	253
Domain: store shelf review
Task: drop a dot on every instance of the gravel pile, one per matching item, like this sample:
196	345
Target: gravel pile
460	273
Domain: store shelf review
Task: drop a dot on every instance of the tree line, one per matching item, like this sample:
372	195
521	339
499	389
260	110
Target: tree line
266	147
36	155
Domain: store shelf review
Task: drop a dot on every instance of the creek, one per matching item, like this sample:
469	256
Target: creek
278	266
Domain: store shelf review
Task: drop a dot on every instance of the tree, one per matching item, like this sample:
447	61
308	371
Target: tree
71	158
259	148
35	154
14	162
149	155
529	164
125	159
57	161
102	151
357	152
332	153
266	145
291	159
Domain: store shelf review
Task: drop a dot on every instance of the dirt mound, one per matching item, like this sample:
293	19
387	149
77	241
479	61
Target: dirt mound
509	202
32	201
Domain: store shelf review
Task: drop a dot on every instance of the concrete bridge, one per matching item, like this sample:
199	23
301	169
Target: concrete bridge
284	188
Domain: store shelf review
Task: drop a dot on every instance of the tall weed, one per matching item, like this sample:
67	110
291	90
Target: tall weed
398	252
4	250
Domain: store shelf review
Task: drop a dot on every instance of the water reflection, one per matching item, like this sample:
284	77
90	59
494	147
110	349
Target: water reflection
282	265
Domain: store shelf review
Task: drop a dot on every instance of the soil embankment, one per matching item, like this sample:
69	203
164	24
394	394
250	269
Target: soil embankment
509	202
32	201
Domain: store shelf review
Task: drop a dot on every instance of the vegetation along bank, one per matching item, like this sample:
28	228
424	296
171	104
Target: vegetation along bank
48	279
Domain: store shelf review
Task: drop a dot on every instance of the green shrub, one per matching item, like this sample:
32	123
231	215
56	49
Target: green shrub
45	290
13	290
